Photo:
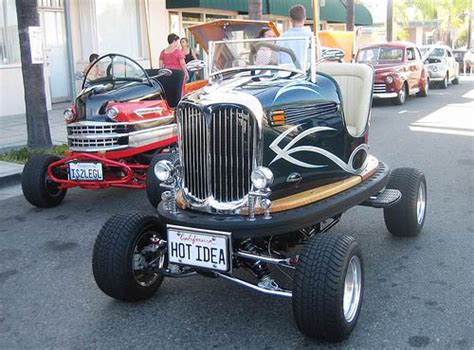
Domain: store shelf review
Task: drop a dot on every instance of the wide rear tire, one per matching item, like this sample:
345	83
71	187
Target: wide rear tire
328	287
36	185
407	217
153	188
122	250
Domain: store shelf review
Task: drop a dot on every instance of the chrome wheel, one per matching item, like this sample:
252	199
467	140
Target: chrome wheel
352	289
147	258
421	203
402	95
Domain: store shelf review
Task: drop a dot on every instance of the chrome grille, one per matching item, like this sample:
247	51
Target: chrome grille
217	152
379	88
94	136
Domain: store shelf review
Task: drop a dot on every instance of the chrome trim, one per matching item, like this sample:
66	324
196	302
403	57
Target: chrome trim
142	112
352	289
280	262
279	292
385	95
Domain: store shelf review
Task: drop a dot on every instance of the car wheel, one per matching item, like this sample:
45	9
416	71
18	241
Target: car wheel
402	95
126	257
328	287
424	92
153	188
456	80
444	83
407	217
37	186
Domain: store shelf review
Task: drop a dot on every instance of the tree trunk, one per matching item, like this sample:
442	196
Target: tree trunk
469	25
37	125
255	9
350	15
389	20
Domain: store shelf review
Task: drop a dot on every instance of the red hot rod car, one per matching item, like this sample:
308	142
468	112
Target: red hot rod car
121	118
399	70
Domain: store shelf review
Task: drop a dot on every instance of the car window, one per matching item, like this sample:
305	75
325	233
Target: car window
380	54
418	54
411	54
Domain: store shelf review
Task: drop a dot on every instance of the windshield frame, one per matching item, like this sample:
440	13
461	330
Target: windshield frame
86	83
379	49
309	40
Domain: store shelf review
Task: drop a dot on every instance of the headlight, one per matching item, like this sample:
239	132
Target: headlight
262	178
163	170
69	114
389	79
112	112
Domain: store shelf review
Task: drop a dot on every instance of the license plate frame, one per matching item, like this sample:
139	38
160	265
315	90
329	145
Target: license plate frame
79	167
191	233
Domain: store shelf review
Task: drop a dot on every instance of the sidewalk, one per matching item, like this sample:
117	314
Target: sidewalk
14	136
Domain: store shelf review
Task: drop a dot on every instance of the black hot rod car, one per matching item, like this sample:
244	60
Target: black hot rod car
121	118
270	156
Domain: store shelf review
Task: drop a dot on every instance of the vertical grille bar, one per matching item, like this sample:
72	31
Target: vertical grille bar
217	157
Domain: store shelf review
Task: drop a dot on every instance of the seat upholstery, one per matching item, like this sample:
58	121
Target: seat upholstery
355	82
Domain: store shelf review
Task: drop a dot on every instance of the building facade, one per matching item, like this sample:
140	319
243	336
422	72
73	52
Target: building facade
74	29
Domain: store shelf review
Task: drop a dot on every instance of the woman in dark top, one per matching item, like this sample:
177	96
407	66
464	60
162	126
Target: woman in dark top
189	54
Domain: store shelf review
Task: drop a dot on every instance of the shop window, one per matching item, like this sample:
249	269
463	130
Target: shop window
9	42
210	18
118	27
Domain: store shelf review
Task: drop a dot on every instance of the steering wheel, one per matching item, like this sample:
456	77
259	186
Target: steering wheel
277	48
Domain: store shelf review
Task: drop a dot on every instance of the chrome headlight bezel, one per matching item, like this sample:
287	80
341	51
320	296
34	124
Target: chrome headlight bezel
112	113
69	114
389	79
163	170
261	178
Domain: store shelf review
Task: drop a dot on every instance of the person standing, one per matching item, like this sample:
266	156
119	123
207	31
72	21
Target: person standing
189	54
298	29
172	57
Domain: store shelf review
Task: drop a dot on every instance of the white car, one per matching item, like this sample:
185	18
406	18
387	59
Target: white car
441	65
469	61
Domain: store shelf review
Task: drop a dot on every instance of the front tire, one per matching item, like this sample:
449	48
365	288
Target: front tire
407	217
445	82
328	287
402	95
37	186
123	252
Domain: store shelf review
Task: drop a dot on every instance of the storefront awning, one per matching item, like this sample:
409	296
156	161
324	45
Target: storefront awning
333	12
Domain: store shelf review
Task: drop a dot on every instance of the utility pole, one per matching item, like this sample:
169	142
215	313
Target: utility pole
350	15
389	20
37	125
255	9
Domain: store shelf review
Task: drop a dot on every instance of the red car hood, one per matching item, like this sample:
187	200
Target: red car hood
387	67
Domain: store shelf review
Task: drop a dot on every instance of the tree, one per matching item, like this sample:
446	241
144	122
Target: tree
350	15
255	9
37	125
390	20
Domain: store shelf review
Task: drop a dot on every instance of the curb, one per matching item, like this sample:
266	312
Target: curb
10	180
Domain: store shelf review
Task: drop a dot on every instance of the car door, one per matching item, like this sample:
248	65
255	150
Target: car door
414	67
451	63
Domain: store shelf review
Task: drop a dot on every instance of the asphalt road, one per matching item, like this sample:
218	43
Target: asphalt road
419	292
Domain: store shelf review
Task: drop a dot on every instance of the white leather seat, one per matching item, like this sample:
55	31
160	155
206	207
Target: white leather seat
355	82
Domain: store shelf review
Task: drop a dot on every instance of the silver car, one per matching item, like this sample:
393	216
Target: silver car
441	65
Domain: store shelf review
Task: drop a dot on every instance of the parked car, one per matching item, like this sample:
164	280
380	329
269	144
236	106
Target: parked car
441	64
459	57
270	156
399	70
121	118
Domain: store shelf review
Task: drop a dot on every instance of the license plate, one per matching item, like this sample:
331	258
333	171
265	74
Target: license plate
201	248
83	171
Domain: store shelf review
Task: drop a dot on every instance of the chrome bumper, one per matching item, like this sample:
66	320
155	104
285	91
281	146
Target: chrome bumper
385	95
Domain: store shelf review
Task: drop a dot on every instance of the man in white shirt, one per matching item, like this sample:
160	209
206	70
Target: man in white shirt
298	18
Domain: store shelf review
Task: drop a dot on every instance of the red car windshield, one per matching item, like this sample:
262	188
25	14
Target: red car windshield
380	55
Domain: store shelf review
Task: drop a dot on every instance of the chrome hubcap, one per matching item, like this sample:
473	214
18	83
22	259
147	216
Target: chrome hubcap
352	289
421	203
402	95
